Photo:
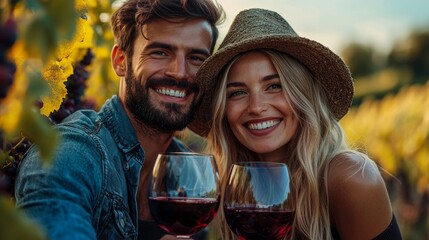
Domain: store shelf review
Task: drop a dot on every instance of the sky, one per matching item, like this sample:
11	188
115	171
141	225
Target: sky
335	23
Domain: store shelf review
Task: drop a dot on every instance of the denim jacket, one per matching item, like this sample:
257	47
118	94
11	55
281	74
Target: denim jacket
89	190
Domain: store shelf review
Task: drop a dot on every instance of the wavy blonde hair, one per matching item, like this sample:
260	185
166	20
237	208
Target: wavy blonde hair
318	140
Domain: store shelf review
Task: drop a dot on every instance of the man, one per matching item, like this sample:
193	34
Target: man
97	185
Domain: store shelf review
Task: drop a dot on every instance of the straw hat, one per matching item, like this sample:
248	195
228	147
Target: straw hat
260	28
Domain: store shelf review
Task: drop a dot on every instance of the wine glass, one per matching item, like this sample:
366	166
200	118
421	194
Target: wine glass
184	192
257	202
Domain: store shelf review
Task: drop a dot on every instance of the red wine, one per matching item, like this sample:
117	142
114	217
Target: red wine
257	223
181	215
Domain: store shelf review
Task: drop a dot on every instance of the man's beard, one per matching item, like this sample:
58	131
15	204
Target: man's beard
166	118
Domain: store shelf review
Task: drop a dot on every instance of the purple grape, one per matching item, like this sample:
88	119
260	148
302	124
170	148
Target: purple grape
6	80
87	59
5	184
8	33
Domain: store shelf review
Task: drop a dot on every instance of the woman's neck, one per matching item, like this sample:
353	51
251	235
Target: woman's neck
279	155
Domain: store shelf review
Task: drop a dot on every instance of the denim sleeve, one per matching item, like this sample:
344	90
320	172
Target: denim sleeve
61	196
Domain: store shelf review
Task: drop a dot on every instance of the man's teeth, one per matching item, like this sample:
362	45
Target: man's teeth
173	93
263	125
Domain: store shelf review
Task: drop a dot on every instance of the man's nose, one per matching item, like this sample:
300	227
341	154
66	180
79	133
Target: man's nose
178	68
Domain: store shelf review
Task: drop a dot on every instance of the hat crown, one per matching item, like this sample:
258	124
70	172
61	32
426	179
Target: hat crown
256	23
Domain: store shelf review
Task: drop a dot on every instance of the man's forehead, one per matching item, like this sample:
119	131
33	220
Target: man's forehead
190	34
157	26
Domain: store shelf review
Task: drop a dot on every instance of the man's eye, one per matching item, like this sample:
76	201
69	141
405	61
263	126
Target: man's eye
159	53
197	59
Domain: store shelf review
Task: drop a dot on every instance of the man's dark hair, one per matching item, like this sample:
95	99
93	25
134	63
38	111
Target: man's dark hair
129	19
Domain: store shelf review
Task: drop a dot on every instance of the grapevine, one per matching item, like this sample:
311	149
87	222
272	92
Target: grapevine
8	36
75	85
8	152
14	151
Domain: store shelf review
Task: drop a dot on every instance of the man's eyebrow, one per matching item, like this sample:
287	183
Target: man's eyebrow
154	45
200	51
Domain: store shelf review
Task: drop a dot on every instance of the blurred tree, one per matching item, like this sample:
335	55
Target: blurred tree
394	131
412	54
360	58
102	82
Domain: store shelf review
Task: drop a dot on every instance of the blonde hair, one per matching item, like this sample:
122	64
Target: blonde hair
318	140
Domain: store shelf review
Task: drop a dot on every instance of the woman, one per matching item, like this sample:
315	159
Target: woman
278	97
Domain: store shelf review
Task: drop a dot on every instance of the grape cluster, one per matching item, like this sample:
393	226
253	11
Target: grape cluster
8	36
13	152
76	86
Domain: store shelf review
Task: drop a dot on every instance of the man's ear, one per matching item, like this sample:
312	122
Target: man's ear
119	61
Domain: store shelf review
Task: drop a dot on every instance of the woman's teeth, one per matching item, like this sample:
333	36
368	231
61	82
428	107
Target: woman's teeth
263	125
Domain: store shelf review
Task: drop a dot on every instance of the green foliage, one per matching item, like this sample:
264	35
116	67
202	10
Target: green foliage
412	54
44	26
378	74
14	225
52	23
360	59
35	125
394	131
40	37
47	25
37	84
380	84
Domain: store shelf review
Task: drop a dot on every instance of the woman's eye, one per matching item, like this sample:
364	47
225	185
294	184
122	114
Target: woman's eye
275	86
236	93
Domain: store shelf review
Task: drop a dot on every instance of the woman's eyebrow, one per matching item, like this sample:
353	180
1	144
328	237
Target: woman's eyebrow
235	84
270	77
264	79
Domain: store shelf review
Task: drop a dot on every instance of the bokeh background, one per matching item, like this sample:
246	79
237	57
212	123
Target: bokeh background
53	63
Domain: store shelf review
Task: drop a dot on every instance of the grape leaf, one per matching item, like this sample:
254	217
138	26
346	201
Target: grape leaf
14	225
38	129
81	38
40	38
55	75
64	20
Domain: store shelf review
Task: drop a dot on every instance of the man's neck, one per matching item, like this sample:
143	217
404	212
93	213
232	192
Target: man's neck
153	143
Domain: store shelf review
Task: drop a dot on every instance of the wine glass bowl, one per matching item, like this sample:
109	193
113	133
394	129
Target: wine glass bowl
184	192
257	203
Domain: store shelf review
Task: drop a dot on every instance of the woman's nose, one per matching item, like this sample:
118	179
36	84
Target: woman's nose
257	104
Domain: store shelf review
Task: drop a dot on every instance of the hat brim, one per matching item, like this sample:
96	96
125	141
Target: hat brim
324	65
